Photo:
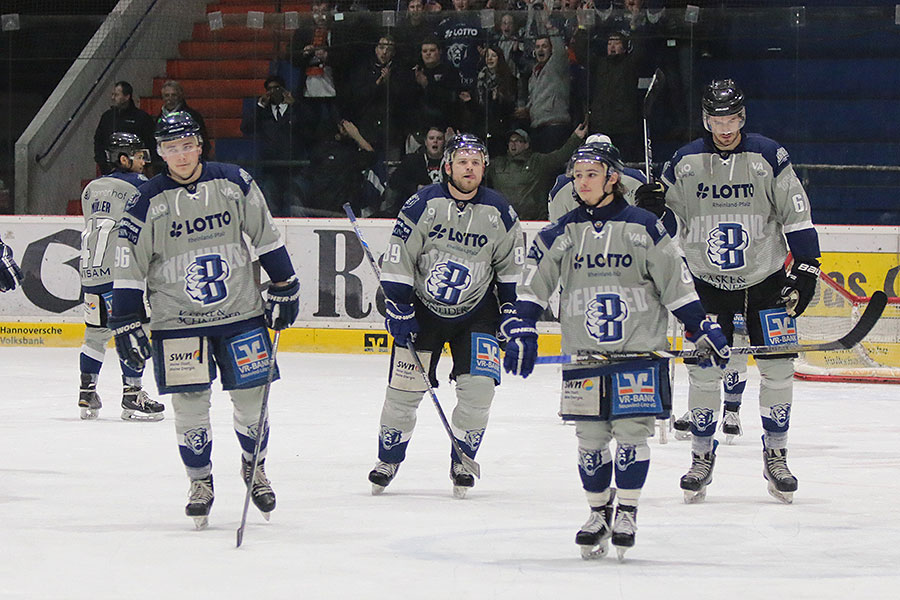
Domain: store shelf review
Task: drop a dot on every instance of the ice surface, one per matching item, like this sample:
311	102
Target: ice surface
94	509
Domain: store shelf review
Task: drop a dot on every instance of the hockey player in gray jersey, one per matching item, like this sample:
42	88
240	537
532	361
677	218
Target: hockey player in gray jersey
456	249
621	274
102	203
738	205
562	196
10	274
181	241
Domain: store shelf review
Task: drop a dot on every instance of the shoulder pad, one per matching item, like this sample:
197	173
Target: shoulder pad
654	227
494	198
233	173
772	151
415	205
558	185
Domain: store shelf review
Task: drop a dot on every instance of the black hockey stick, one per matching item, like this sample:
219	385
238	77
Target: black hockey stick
650	97
859	331
260	434
470	465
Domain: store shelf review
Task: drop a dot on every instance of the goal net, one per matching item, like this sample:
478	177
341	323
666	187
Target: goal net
832	313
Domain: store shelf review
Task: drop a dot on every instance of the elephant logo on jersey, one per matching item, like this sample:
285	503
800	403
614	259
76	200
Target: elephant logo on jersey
390	437
726	244
781	414
204	279
473	438
447	281
626	455
702	418
196	439
457	53
589	461
604	317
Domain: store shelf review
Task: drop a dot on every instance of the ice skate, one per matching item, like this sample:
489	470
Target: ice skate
200	500
683	427
699	476
782	484
138	406
731	425
382	475
593	537
89	403
262	494
662	429
624	529
462	480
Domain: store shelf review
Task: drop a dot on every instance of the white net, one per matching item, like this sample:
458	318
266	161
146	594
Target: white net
830	315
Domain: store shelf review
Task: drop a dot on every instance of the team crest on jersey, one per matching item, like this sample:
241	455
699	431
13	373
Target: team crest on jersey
410	202
626	455
535	253
205	277
129	204
702	418
245	176
589	461
390	437
457	53
473	438
604	317
780	414
726	245
447	281
196	440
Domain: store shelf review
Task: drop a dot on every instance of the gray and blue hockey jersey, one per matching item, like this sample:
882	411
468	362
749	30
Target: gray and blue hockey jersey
562	199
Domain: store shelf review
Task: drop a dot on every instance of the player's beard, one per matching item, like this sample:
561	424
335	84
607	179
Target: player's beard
463	185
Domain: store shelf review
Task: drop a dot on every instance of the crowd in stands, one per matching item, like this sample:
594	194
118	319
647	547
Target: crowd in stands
359	110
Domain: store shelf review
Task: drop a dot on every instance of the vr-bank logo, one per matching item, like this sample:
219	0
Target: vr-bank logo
487	354
204	279
636	383
250	354
375	342
780	328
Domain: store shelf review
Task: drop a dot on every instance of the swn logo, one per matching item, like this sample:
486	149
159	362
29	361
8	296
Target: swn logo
579	384
200	224
184	356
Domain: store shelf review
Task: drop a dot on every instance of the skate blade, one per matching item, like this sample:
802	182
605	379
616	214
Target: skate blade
620	552
694	497
682	435
460	491
785	497
730	438
89	414
201	522
132	415
266	515
377	490
594	552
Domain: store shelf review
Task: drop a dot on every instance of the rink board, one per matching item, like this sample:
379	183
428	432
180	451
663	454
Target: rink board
341	306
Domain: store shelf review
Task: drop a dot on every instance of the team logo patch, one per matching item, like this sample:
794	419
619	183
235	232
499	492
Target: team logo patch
626	455
702	418
780	414
725	246
205	277
250	353
589	461
196	440
402	230
604	317
389	437
636	392
129	230
730	379
778	327
485	356
473	438
447	281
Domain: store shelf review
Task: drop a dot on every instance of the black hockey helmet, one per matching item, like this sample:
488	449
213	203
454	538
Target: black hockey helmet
122	142
600	152
175	126
464	141
723	98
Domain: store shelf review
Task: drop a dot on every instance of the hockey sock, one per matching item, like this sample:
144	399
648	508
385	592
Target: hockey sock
632	464
392	444
701	444
247	438
595	469
89	366
775	440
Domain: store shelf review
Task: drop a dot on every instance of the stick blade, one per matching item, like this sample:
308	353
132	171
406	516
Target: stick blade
471	466
653	91
240	536
867	321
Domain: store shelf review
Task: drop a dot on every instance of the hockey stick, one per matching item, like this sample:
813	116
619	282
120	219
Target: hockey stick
650	97
470	465
260	434
859	331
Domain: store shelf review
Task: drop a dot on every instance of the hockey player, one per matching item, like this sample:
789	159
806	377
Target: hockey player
10	274
562	197
451	243
182	242
738	206
620	274
103	202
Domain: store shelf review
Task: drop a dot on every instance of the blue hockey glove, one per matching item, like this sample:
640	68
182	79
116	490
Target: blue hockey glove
521	347
282	305
507	316
400	321
10	274
131	340
800	286
652	197
710	339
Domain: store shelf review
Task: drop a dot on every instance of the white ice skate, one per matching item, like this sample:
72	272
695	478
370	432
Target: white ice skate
593	537
382	475
462	480
682	427
781	482
699	476
624	529
731	426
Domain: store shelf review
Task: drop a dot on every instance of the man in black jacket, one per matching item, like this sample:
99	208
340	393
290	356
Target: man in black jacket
123	115
173	101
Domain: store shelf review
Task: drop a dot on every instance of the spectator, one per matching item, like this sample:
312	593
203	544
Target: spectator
410	32
275	127
173	101
489	110
416	170
123	115
459	32
337	166
435	90
319	60
614	96
525	177
548	90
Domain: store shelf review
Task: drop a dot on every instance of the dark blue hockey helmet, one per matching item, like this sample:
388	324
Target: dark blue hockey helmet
600	152
464	141
175	126
127	144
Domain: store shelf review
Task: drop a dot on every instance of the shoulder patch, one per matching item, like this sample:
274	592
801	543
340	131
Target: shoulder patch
401	230
129	230
415	206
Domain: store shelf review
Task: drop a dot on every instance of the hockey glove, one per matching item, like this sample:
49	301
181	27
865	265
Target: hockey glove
282	305
521	347
507	316
400	321
800	286
651	197
10	274
131	340
710	339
